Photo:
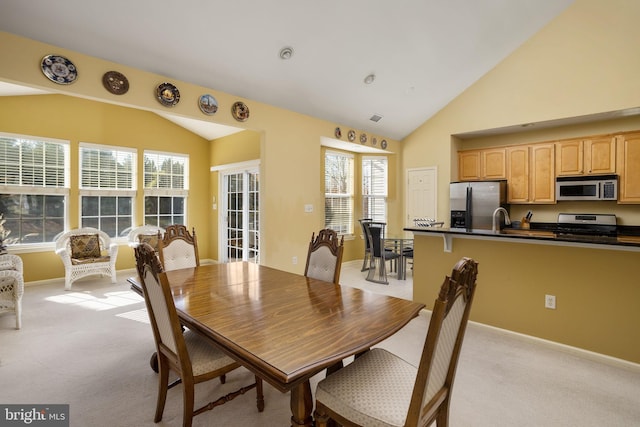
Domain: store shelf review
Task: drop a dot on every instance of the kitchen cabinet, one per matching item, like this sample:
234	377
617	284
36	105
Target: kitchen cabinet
531	173
590	156
628	164
485	164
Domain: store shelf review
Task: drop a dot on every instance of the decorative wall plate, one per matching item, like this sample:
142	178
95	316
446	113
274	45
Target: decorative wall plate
115	82
363	138
167	94
351	136
208	104
383	144
338	133
59	69
374	141
240	111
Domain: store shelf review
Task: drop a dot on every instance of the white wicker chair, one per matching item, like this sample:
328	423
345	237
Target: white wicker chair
146	233
102	262
11	286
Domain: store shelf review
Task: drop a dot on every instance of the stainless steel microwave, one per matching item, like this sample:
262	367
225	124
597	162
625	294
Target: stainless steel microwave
597	187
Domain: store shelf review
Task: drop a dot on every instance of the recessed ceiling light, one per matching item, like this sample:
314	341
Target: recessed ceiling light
286	53
369	79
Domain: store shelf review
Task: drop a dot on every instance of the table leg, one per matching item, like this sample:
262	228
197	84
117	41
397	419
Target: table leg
301	405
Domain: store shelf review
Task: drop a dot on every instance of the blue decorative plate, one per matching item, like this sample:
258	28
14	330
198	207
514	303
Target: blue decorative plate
208	104
59	69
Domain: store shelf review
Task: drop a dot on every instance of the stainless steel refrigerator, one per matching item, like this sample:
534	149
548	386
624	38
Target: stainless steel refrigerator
472	203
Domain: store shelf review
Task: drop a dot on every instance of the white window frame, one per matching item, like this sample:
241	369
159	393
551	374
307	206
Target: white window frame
171	190
104	188
375	187
344	227
24	189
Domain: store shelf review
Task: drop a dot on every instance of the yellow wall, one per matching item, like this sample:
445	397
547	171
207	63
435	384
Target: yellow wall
582	63
290	159
237	148
79	120
596	290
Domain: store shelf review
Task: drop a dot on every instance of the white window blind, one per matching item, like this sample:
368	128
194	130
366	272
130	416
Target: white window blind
166	171
107	168
374	188
33	163
338	183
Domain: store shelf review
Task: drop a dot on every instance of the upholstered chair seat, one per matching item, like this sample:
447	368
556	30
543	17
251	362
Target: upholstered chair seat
376	391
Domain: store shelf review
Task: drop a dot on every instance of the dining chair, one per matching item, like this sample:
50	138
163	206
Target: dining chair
193	358
324	258
382	389
379	256
178	248
367	249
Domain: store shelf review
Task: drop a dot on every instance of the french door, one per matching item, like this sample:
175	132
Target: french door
241	216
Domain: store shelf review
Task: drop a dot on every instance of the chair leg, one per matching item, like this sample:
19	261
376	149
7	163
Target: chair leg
188	402
163	385
259	394
366	261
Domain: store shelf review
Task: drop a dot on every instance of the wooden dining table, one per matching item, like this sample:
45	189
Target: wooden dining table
284	327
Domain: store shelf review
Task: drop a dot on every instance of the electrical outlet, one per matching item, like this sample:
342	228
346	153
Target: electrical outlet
550	302
294	260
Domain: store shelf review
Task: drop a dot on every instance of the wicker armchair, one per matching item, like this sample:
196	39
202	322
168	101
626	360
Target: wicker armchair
11	286
145	234
86	252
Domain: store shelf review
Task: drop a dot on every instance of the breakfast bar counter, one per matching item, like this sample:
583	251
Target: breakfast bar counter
594	281
544	235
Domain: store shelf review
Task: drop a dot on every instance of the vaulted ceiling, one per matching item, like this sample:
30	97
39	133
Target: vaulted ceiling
423	53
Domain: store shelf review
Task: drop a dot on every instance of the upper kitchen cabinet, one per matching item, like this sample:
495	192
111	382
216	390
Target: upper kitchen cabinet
591	156
485	164
531	173
628	165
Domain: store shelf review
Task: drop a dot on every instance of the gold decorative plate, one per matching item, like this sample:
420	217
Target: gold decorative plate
240	111
115	82
338	133
363	138
167	94
351	136
383	144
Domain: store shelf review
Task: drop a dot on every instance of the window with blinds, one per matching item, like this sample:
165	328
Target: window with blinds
166	187
338	189
374	188
34	185
107	187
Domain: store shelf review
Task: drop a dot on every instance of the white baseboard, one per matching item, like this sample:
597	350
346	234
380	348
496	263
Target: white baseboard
576	351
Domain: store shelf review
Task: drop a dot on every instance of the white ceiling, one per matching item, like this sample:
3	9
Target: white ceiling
423	53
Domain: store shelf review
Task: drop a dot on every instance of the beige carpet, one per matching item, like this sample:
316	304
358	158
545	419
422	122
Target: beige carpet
90	348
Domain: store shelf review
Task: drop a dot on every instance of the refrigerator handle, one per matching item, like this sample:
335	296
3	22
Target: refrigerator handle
468	213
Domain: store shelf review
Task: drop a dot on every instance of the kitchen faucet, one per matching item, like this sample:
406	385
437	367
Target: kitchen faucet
496	215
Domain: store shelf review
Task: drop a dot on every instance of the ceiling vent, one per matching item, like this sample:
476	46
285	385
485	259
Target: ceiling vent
375	118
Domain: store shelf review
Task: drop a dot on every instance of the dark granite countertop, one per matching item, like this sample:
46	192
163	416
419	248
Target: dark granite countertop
627	235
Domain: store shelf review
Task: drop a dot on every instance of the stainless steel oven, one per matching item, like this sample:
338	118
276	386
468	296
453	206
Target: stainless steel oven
597	187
